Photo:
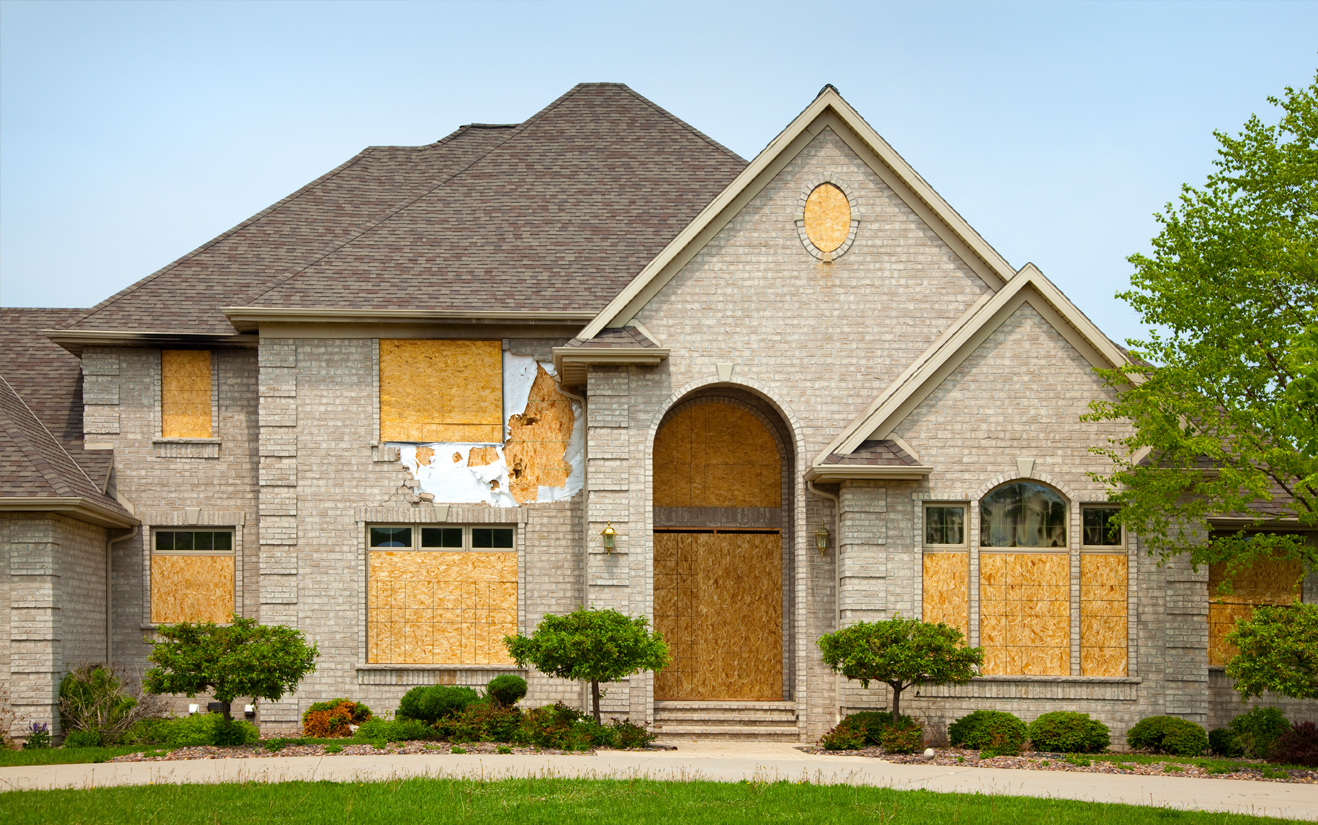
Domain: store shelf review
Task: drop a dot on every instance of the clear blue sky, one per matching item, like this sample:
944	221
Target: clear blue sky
130	133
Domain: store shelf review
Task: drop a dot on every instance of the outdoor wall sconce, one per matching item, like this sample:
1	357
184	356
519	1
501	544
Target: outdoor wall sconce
821	540
608	533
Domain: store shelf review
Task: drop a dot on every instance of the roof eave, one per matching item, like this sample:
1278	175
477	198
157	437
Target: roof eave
249	319
572	363
833	473
76	507
75	340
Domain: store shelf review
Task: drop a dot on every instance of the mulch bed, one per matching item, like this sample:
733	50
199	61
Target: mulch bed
350	748
1036	761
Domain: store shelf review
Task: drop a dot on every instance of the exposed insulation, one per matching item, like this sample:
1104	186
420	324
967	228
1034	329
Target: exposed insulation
538	439
1264	582
480	456
440	607
946	592
185	394
718	604
441	391
716	455
827	217
1103	615
1025	613
191	589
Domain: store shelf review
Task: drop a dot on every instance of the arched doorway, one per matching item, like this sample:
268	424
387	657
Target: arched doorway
719	495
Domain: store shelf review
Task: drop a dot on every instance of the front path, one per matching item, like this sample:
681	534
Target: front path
715	761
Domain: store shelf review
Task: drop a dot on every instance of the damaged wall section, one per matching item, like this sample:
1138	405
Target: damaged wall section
536	455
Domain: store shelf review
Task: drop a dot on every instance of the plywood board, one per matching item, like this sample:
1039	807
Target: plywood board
538	439
191	589
441	391
716	455
481	456
718	603
185	394
1025	618
827	217
1266	581
946	590
440	607
1103	615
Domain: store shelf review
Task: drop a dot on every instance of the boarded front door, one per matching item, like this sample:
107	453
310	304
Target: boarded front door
718	603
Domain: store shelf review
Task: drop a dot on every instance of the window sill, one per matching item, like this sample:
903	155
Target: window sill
186	447
411	675
1044	688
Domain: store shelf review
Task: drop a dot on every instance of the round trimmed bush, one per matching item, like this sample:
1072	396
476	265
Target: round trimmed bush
82	739
1168	734
1065	731
432	703
1258	731
992	730
1224	742
506	689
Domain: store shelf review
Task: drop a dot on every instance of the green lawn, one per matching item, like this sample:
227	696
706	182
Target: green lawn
1209	763
557	801
66	756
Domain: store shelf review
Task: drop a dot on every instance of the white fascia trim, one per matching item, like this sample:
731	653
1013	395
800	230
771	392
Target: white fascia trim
963	338
72	506
832	473
646	356
808	124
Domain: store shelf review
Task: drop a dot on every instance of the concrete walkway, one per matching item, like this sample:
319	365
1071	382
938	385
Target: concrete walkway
716	761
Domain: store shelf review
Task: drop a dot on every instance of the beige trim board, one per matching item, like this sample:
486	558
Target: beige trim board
249	319
455	330
74	340
963	338
572	363
72	506
828	110
833	473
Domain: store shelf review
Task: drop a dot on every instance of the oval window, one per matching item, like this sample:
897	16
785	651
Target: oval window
827	217
1022	514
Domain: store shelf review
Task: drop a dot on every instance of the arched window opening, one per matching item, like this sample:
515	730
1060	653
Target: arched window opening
1022	514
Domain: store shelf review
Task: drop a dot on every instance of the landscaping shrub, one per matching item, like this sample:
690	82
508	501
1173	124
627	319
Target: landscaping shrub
905	738
843	738
432	703
995	731
399	730
38	737
82	739
208	729
484	721
1168	734
1225	742
327	720
627	735
506	689
147	732
1258	730
92	698
862	729
1069	732
1297	746
555	726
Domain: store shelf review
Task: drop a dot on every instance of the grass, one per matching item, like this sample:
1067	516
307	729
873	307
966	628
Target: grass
553	801
1212	764
66	756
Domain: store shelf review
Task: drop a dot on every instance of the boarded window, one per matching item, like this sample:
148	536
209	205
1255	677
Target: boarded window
192	576
1025	613
441	391
185	394
441	595
1022	514
1103	614
946	590
716	455
1263	582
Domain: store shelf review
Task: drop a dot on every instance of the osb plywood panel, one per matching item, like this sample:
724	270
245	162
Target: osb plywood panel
827	217
1103	623
718	603
946	592
185	394
538	439
1266	581
440	608
1025	615
716	455
423	456
480	456
441	390
191	589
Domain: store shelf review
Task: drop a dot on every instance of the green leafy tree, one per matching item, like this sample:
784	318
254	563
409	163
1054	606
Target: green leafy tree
1223	395
239	659
1278	652
900	652
591	645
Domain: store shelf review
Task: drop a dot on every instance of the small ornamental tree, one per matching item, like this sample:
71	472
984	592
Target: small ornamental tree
228	661
591	645
900	652
1278	652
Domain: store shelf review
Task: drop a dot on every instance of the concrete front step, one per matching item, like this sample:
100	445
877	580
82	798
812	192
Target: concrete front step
778	733
713	717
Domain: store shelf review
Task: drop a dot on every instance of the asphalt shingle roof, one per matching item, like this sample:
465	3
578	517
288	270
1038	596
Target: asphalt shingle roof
874	454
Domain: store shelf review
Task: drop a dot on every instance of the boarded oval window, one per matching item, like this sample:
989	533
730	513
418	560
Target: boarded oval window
827	217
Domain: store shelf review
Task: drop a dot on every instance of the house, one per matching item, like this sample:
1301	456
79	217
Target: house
401	409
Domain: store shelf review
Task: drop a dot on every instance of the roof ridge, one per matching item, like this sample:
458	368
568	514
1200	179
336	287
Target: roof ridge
661	110
517	130
223	236
53	439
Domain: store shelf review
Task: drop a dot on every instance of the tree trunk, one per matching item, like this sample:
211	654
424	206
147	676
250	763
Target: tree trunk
226	708
595	696
896	704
